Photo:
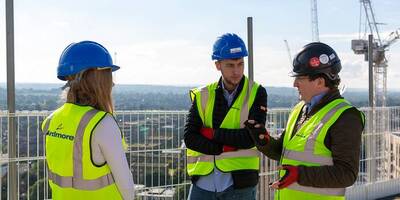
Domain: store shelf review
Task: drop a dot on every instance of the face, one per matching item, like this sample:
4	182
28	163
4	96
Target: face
231	70
308	88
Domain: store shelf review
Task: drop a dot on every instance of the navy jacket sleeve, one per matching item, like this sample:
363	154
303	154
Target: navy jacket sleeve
193	138
240	138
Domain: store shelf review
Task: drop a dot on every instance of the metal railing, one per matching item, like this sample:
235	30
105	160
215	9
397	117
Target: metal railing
157	160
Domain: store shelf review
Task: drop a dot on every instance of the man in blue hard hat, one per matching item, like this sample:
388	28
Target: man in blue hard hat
221	156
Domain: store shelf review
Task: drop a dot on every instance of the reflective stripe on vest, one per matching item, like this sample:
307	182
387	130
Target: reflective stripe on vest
79	183
308	154
232	154
76	181
290	156
244	113
307	157
324	191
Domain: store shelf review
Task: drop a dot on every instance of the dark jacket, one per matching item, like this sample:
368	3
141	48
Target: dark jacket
343	140
238	138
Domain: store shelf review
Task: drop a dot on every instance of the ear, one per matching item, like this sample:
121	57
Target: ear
69	78
321	82
218	65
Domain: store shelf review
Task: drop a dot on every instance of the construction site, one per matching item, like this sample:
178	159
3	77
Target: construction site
156	151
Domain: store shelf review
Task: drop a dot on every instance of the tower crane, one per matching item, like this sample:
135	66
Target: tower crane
314	21
288	50
376	144
380	63
293	93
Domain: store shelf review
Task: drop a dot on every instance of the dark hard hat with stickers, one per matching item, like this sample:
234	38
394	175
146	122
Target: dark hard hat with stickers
316	58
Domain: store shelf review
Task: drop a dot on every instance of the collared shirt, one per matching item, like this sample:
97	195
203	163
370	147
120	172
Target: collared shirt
229	96
314	101
306	110
218	181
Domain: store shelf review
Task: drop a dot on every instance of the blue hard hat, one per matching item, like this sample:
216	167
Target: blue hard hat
229	46
81	56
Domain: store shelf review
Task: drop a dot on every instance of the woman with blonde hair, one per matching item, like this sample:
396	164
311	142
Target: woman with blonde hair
84	145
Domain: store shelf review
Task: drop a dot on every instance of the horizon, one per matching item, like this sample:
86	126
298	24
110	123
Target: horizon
18	86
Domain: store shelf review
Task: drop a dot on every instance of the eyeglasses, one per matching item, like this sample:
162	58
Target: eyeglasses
300	78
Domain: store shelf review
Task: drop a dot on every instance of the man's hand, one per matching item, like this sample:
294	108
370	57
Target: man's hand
207	132
257	132
291	176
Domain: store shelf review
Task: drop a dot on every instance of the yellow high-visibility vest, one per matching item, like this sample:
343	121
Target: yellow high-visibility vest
306	147
72	174
201	164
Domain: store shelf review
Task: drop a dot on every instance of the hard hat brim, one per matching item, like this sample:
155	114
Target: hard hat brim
112	67
295	74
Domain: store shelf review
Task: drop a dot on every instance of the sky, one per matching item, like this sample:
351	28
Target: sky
169	42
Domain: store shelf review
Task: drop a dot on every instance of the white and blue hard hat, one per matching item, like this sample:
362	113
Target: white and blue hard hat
229	46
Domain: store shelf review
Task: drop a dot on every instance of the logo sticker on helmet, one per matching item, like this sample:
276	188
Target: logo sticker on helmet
324	58
314	62
332	56
236	50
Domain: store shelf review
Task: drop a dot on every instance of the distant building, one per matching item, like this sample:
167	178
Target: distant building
395	155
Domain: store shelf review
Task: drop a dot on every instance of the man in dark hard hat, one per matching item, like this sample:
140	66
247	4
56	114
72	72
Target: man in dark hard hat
320	147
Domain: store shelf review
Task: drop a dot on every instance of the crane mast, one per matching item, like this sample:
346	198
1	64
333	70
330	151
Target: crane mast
288	51
314	21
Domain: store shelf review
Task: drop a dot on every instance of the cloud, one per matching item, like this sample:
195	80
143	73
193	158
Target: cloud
176	62
355	71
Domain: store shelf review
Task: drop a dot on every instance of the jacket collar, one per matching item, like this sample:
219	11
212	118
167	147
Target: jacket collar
219	89
239	88
328	97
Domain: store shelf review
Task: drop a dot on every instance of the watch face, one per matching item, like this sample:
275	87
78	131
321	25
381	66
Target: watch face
261	136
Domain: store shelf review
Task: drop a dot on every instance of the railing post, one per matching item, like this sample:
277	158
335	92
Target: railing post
250	46
12	168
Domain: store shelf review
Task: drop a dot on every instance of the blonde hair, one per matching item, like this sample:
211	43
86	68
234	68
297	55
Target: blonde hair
92	87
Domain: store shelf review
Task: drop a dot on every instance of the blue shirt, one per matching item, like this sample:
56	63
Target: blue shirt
314	100
218	181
